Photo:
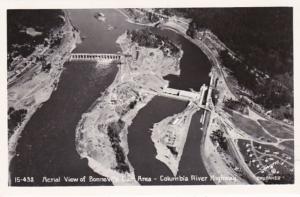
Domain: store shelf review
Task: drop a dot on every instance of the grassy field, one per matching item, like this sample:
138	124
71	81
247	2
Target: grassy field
289	145
251	127
277	130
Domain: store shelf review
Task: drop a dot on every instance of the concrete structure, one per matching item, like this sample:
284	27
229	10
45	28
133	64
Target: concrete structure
196	97
211	86
202	92
100	57
181	94
208	103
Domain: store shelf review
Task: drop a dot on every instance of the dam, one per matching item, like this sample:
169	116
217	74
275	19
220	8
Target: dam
99	57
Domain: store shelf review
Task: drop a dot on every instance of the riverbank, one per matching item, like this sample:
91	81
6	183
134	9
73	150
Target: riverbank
211	47
212	160
35	86
101	135
216	163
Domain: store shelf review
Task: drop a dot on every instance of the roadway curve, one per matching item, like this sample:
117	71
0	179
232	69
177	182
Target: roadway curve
215	62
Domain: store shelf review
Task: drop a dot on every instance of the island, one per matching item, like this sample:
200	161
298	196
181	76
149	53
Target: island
169	137
101	134
240	121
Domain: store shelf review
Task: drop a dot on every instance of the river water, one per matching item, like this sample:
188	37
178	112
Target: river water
194	65
47	145
142	151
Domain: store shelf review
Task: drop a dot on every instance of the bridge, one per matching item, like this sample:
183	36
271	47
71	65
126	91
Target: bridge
99	57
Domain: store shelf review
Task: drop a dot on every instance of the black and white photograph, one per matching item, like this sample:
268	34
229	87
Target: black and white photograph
150	96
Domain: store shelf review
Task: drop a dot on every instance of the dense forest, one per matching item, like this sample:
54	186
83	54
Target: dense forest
147	38
274	93
263	40
21	43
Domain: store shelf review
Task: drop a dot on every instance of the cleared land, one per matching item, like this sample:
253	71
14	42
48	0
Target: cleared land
251	127
289	145
277	130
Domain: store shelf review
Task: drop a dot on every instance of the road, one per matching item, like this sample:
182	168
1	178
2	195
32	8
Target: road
238	155
215	62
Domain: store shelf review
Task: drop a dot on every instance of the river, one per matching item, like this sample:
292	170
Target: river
194	65
47	144
142	151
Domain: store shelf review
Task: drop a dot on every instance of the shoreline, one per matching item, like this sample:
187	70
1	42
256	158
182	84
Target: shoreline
136	82
218	166
205	50
42	91
113	175
180	130
173	26
120	103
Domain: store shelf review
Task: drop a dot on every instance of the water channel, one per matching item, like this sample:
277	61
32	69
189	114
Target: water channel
47	145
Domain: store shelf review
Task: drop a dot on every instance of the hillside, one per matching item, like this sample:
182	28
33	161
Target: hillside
262	38
28	28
